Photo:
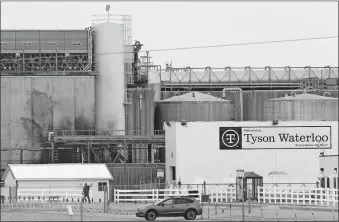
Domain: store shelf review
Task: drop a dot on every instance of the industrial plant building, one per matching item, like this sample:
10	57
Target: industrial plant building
90	96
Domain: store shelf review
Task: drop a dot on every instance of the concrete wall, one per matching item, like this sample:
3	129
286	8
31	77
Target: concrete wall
198	156
33	105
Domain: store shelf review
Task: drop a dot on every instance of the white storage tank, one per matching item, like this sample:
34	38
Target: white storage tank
154	83
303	107
193	106
110	83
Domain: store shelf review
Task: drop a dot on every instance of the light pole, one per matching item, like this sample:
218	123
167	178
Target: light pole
108	7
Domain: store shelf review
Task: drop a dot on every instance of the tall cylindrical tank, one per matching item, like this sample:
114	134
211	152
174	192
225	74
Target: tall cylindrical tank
304	107
110	83
154	83
193	106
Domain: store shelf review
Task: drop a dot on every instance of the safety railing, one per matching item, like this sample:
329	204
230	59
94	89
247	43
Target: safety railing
304	196
108	133
247	75
153	195
76	66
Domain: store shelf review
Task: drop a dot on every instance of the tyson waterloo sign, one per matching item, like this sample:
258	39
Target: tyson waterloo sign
275	137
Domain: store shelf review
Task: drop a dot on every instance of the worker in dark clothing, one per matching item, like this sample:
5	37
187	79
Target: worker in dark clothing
85	192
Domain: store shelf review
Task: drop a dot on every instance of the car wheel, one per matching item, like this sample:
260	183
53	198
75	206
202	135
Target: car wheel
190	215
151	215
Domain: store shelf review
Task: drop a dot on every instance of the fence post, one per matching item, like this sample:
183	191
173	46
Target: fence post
276	212
10	194
81	211
105	199
313	214
295	213
328	197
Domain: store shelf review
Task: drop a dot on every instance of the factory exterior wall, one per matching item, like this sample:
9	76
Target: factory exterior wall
132	176
140	116
110	84
328	163
171	151
64	184
303	110
198	156
256	102
33	105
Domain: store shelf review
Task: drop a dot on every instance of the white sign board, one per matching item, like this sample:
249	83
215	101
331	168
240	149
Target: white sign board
275	137
70	210
160	173
240	173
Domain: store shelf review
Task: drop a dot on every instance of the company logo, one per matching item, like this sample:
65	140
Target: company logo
230	138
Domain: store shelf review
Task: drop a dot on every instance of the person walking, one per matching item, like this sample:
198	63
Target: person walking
85	192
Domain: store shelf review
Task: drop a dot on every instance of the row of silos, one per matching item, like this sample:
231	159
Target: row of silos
196	106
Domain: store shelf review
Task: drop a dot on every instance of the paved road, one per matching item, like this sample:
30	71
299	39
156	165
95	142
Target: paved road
265	213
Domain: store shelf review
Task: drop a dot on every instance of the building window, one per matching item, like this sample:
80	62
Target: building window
101	186
76	44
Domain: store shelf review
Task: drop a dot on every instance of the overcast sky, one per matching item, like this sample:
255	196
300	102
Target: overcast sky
171	24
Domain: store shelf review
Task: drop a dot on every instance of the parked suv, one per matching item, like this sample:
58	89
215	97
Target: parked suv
186	207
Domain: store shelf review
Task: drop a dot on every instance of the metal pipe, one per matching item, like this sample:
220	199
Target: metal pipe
240	99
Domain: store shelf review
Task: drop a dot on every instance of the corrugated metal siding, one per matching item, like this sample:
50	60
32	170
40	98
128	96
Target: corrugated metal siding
52	35
255	102
304	110
27	35
193	111
132	177
39	40
140	119
31	106
7	35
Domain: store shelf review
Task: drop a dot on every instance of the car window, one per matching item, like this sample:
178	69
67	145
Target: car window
167	202
183	201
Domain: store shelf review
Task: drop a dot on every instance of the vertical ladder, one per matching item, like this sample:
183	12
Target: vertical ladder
56	156
75	158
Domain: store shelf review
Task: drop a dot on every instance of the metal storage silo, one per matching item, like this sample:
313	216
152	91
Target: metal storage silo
193	106
154	83
110	83
303	107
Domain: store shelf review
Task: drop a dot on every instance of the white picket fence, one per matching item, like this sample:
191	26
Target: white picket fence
297	196
48	194
153	195
41	195
301	196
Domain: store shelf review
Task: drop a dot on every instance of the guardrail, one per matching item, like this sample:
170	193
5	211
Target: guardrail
108	133
153	194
